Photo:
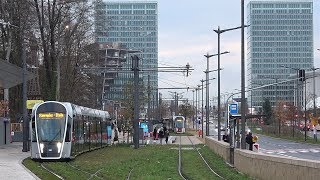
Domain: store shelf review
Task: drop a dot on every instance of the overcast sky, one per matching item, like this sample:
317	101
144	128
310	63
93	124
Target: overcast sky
186	34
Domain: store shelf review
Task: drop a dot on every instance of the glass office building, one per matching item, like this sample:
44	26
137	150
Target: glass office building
280	41
135	26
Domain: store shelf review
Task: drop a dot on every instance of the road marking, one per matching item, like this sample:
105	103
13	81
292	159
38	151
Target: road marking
314	151
303	151
291	151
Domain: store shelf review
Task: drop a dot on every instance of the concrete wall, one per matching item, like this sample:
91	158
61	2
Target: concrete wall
222	148
264	166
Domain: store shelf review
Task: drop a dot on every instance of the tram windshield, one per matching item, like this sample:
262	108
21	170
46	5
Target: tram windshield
179	122
50	126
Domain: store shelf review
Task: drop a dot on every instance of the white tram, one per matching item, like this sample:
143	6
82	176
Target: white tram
179	124
61	130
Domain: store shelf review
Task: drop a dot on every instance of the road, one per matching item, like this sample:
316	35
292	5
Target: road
282	147
287	148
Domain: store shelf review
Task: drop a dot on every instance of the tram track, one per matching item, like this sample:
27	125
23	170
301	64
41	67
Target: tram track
50	171
88	173
183	175
73	167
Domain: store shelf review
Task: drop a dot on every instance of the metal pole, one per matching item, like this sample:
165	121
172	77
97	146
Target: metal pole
305	110
314	103
193	108
24	98
202	107
207	97
219	116
251	101
135	63
298	98
196	109
314	93
199	104
243	98
279	120
148	113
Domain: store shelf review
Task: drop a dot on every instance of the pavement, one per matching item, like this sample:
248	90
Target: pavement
11	167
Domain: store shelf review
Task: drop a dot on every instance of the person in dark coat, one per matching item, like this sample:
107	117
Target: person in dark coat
161	134
154	133
249	141
166	134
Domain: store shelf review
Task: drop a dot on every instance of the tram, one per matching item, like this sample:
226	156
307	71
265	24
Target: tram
179	124
61	130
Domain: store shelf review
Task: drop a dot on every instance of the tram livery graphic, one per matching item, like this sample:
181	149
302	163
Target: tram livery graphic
61	130
179	124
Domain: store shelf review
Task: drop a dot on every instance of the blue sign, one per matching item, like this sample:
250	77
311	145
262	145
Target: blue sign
233	108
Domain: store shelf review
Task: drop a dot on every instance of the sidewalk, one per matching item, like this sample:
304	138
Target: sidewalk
11	167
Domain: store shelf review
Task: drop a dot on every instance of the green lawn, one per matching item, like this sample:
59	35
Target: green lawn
148	162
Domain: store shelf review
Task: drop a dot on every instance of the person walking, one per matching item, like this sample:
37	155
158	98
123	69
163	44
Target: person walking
161	134
166	134
154	133
250	141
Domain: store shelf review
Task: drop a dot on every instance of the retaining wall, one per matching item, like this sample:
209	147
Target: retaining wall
264	166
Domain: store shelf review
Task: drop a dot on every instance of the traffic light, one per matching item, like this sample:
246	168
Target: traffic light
302	75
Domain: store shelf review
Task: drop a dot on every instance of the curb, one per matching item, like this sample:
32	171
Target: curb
27	170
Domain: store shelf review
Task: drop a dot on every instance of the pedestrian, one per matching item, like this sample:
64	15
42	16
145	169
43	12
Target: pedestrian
154	133
161	134
250	141
166	134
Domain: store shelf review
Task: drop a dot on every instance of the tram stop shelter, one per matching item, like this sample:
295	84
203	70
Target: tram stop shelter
10	76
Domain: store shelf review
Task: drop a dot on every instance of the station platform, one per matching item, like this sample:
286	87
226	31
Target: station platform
11	167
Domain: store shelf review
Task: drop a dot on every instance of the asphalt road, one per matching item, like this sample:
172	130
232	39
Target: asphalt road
280	147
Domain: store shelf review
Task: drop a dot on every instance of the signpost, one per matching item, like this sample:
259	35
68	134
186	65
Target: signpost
233	108
31	103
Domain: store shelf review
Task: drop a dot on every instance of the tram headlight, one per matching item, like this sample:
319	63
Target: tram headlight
59	145
41	147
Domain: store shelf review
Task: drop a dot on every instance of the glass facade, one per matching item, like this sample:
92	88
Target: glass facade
280	40
134	25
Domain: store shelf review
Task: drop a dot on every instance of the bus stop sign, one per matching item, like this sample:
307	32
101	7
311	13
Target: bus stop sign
233	108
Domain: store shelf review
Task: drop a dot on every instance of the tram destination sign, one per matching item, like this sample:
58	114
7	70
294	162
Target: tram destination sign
51	115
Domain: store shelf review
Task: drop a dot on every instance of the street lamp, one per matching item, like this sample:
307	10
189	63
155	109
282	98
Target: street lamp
207	89
314	90
193	108
219	31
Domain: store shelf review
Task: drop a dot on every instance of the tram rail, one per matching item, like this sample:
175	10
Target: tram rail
183	175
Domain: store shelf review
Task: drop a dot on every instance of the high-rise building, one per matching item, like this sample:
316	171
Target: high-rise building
280	42
135	26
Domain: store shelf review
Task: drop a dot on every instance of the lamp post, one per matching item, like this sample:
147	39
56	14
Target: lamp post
202	107
314	91
193	108
196	108
219	31
207	89
199	105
